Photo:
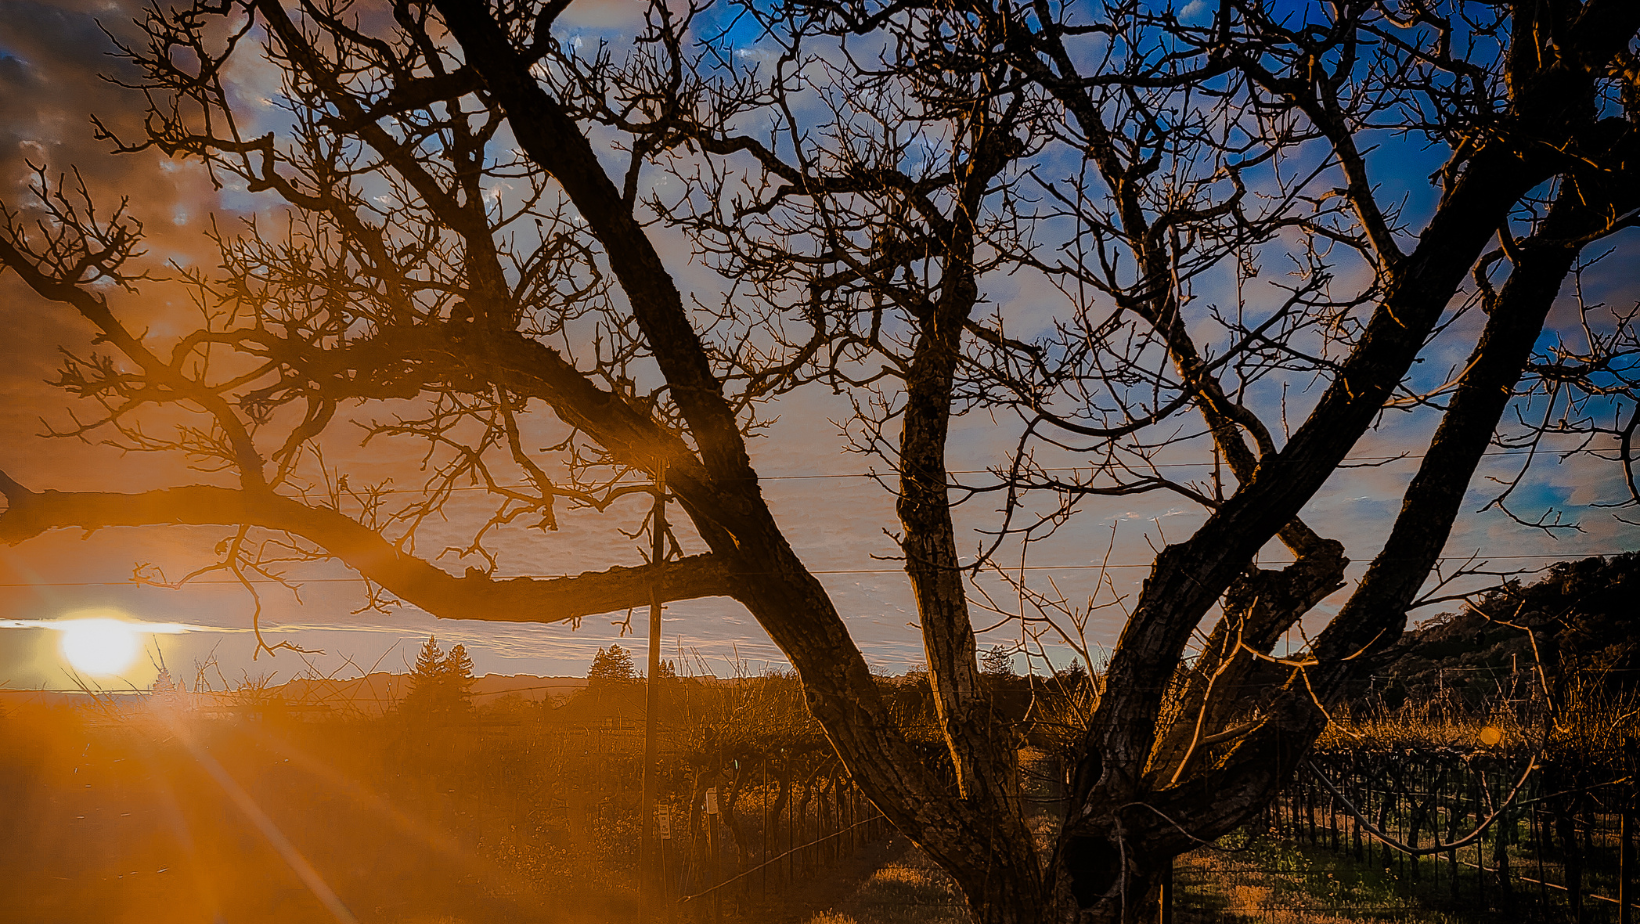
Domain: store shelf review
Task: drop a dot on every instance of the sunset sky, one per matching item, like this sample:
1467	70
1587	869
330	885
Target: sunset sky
51	56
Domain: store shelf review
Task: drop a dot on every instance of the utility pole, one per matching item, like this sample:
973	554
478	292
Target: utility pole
649	877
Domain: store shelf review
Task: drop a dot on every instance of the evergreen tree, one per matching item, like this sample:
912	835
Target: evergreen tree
440	684
610	666
458	679
998	662
425	679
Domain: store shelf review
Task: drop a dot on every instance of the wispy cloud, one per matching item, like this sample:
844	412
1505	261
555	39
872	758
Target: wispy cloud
152	628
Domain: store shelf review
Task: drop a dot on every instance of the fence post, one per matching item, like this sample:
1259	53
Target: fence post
1355	823
1625	847
1453	822
1480	857
1504	835
713	845
1309	804
1625	836
1332	816
1571	848
648	846
1166	893
1539	829
764	840
1386	815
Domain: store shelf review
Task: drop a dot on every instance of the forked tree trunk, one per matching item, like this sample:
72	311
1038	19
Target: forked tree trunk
1109	888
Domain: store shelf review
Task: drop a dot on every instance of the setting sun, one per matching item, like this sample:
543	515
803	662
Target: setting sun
100	646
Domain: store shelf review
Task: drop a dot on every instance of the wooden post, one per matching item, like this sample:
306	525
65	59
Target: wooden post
1332	820
1480	842
1625	848
1571	848
665	886
1539	829
1504	835
764	840
713	847
1309	805
652	707
1166	895
1625	832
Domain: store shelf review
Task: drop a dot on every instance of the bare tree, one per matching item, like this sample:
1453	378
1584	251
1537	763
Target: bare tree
456	250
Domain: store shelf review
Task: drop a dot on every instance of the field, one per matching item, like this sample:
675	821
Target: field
148	809
151	808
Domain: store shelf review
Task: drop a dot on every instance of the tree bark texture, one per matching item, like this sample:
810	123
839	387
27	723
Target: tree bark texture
1144	790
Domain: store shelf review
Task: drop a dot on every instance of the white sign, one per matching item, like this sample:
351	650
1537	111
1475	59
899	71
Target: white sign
711	801
663	816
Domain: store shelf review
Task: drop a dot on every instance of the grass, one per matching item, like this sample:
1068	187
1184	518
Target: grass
907	889
1589	721
1259	879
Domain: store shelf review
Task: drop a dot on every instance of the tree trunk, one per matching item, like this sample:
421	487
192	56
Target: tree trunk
1104	878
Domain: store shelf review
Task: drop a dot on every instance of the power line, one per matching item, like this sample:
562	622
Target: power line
818	571
813	476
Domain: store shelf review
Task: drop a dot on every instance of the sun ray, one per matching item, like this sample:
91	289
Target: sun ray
424	833
269	830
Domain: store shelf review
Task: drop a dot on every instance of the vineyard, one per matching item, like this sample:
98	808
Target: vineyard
1507	812
313	796
118	808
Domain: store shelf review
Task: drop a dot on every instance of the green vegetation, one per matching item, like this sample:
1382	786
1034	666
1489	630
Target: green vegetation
1245	879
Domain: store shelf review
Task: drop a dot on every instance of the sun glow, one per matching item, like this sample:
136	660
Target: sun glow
99	646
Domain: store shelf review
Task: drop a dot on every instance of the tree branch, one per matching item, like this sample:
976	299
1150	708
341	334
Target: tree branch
413	580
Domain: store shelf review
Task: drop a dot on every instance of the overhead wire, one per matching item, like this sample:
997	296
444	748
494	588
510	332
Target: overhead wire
816	571
811	476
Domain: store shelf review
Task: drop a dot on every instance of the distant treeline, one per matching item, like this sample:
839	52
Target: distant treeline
1577	622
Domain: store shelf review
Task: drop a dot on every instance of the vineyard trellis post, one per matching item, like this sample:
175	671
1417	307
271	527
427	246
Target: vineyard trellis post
646	847
1503	837
1625	850
763	839
1479	783
1625	835
1569	820
1167	893
1573	849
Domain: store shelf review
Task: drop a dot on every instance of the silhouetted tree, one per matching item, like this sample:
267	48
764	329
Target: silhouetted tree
458	674
998	662
457	251
610	666
440	683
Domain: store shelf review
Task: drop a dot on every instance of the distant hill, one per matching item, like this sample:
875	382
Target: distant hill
379	692
1582	616
369	696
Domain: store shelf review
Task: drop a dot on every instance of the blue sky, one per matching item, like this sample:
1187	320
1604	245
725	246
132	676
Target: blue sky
838	519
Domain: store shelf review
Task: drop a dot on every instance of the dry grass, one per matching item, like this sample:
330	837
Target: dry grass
1590	718
908	889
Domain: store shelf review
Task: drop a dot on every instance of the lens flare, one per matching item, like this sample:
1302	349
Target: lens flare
99	647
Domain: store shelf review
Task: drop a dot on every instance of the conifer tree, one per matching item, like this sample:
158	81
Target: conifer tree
433	690
458	679
610	666
998	662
